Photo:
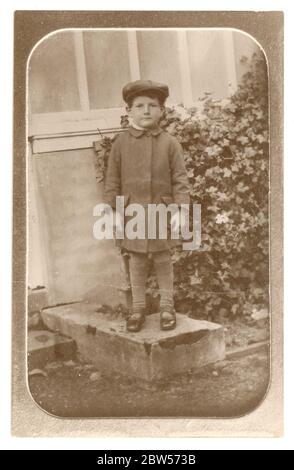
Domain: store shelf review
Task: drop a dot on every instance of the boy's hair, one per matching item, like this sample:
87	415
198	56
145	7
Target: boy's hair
151	94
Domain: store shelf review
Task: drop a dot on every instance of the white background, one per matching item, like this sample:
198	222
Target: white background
6	90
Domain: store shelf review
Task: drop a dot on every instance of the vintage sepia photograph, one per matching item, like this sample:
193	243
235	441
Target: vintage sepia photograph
137	324
147	267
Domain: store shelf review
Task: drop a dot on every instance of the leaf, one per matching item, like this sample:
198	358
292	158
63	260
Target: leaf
260	315
222	218
227	172
250	152
243	139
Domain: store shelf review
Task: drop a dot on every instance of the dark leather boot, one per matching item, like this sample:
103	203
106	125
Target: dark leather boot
136	320
167	319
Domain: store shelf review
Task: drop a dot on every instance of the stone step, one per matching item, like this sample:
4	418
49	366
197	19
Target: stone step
37	300
150	354
45	346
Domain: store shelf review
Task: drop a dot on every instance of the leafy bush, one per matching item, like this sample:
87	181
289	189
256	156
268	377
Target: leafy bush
226	151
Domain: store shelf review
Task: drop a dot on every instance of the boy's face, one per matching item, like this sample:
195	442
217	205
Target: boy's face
145	111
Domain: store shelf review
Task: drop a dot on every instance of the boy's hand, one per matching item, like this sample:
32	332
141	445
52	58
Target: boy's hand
116	218
175	222
179	218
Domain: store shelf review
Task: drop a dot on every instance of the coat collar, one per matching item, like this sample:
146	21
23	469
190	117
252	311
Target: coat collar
138	132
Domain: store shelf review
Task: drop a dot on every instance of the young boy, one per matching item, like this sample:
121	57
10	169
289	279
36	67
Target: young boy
146	166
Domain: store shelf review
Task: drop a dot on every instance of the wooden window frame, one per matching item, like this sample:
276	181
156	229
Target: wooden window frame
94	121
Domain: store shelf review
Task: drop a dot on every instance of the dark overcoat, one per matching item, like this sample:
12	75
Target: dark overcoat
146	167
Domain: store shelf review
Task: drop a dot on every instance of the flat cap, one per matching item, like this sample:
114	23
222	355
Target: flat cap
138	87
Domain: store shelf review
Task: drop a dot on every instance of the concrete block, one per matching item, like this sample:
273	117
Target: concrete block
44	346
37	299
151	354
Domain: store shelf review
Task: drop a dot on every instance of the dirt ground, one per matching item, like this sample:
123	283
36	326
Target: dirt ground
229	388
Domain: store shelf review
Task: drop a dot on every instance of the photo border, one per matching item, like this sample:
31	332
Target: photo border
28	419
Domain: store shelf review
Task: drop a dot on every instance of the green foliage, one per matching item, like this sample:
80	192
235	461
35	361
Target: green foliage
226	151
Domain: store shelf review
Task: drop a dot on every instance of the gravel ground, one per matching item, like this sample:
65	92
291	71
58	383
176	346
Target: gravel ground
226	389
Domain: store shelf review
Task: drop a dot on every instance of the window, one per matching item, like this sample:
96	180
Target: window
76	77
107	67
53	85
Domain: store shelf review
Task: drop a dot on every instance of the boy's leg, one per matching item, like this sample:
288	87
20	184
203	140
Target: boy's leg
138	265
165	278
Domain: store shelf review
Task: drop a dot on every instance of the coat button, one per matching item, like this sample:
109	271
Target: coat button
148	134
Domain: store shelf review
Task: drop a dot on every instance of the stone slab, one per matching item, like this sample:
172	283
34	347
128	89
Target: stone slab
150	354
45	346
